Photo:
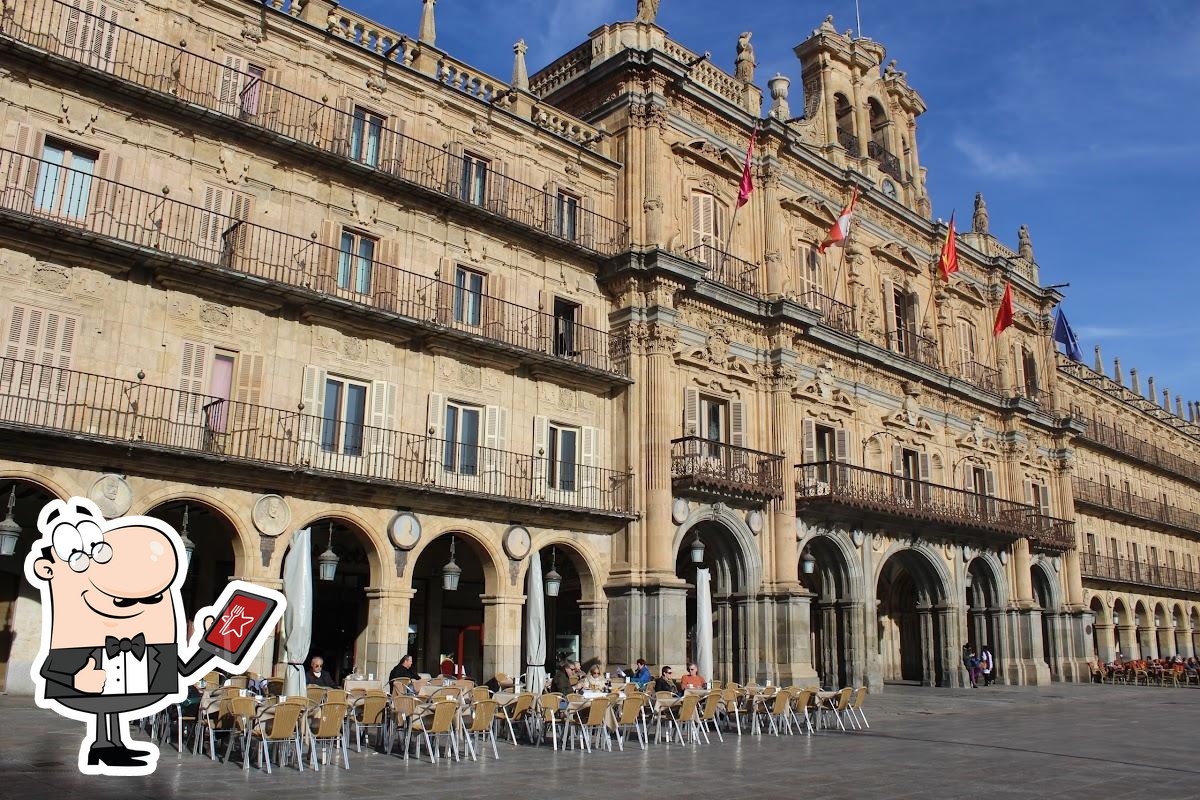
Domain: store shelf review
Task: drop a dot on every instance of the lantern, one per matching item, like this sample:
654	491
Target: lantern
451	572
327	562
553	579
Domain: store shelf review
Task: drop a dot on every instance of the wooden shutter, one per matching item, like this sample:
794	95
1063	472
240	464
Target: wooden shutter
444	301
589	462
888	290
1044	499
327	265
44	341
380	439
230	86
498	187
235	246
923	474
212	221
247	432
585	222
22	169
808	441
550	209
343	126
545	322
454	168
391	146
313	399
841	453
691	412
435	430
541	456
192	382
385	275
739	460
704	220
494	466
493	314
989	478
897	460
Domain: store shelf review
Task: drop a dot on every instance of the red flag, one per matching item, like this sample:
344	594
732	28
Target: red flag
747	184
841	228
1004	314
948	261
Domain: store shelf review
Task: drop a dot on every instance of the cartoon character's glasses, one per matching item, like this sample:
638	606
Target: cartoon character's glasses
81	544
101	553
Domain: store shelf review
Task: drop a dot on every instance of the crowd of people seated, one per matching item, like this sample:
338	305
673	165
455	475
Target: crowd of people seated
1183	670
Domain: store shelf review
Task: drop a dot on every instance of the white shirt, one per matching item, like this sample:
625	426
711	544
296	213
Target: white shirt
126	674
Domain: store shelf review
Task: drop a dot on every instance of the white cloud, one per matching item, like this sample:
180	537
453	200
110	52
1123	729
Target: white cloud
993	163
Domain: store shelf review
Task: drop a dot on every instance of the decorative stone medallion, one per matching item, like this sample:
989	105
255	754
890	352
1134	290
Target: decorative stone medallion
755	521
271	515
680	510
404	530
517	542
112	495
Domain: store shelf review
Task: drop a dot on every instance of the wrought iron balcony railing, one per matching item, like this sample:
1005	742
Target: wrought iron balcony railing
35	397
837	314
980	375
915	347
1130	505
849	142
72	202
1051	534
1121	570
719	469
837	484
181	76
725	269
1118	441
889	164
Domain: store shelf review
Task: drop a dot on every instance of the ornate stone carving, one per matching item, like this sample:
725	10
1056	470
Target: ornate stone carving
364	207
112	495
910	416
230	171
271	515
214	316
978	437
743	66
979	222
51	277
86	129
1024	244
647	11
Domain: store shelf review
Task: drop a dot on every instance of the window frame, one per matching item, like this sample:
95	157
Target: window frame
557	465
473	183
366	131
456	452
566	328
460	307
357	268
567	207
339	434
63	199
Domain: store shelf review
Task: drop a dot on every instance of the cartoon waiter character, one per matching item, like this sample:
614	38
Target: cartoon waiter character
112	627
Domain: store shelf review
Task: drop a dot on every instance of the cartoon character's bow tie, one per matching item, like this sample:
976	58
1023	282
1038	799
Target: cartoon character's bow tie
136	645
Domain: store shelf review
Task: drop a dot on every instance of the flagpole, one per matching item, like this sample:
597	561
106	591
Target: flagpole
837	280
736	205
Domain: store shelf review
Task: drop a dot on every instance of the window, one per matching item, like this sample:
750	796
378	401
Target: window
567	215
345	413
560	473
365	133
912	466
473	186
468	296
1133	551
1171	559
356	257
37	347
966	343
1153	556
240	87
1029	373
566	317
252	90
809	271
92	32
64	180
714	416
1091	543
903	313
1039	497
706	220
462	439
220	389
826	450
1112	547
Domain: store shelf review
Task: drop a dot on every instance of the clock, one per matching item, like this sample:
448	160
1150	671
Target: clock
888	188
404	530
517	542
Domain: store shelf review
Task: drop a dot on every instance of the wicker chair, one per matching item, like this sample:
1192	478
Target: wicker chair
329	728
549	714
281	727
632	715
482	727
520	711
369	712
708	714
439	725
593	725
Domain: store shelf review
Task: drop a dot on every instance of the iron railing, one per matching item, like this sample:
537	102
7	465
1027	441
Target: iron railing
182	76
1118	441
725	269
131	413
860	488
717	468
889	164
1121	570
915	347
77	201
1106	497
980	375
849	142
836	314
1051	534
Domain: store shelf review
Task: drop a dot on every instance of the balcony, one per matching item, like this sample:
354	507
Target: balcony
837	315
199	87
980	376
1120	570
849	142
151	419
833	485
726	269
1121	443
1131	506
1049	534
915	347
219	246
889	164
725	472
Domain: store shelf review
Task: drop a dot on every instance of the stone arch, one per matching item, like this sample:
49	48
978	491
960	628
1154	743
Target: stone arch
835	610
366	533
1044	577
578	615
42	481
245	544
483	542
583	557
1103	630
850	575
995	571
749	560
1164	639
880	124
987	597
918	632
929	558
844	117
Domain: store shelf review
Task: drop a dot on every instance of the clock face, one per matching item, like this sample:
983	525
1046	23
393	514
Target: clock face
889	188
517	542
405	530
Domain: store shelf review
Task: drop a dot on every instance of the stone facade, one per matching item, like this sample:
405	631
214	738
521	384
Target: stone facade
277	267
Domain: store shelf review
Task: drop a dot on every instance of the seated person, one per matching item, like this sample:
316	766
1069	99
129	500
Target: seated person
693	679
403	669
447	668
317	675
641	675
594	682
664	682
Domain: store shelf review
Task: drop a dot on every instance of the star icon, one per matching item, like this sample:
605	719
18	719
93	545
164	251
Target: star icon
234	623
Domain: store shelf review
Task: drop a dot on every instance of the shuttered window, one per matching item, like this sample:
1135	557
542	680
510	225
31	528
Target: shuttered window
38	346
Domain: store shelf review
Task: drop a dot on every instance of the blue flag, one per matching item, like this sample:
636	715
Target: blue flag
1065	336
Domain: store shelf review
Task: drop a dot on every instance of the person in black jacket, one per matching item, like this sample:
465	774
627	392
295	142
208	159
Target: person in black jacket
317	675
404	669
665	683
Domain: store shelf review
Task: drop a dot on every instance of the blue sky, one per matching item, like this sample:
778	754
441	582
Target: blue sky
1081	120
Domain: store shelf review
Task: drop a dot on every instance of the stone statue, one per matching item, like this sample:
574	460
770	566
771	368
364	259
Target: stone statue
824	380
979	223
1024	246
743	66
647	11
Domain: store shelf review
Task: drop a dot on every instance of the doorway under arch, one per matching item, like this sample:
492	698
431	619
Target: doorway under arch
27	499
985	611
724	559
1102	621
1145	631
567	637
444	621
1127	644
1043	593
830	611
213	562
912	632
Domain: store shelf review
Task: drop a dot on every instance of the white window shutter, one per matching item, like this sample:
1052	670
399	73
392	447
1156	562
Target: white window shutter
808	442
989	478
841	445
247	411
379	438
691	412
212	218
1044	500
312	393
589	462
492	459
12	347
897	460
541	444
435	429
923	466
192	381
888	291
231	85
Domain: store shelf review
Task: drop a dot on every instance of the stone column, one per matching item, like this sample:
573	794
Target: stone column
926	622
854	646
1105	646
501	634
784	436
793	659
998	641
666	624
1148	642
1073	579
1023	578
1127	642
593	640
387	629
747	648
1183	642
950	653
661	423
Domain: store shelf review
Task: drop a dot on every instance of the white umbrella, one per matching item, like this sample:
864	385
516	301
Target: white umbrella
535	626
704	625
297	617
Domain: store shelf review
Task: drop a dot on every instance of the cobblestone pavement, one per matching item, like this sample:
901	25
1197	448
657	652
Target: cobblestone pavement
1059	741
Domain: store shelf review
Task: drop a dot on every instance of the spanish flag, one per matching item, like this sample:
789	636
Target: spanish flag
948	261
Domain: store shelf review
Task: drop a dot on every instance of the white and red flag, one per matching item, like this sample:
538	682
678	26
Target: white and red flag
841	228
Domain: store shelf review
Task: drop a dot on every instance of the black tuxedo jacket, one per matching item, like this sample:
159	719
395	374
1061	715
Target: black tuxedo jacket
163	669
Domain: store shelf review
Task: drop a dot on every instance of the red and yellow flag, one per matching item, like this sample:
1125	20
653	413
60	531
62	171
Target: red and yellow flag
841	228
1004	314
948	261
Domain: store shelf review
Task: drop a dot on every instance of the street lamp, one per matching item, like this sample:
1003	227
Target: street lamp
189	546
808	563
327	562
10	531
451	572
553	579
697	550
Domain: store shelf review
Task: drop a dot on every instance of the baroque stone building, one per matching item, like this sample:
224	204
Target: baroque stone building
272	266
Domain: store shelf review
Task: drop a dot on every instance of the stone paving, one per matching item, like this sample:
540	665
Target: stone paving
1059	741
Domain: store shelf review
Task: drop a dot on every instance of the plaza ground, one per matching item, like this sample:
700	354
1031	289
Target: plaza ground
1060	741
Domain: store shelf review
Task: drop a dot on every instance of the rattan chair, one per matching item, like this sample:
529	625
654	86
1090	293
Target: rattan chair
549	714
838	708
519	711
856	709
631	714
439	725
708	713
663	709
592	726
802	703
280	727
329	728
227	719
402	712
687	717
369	712
482	727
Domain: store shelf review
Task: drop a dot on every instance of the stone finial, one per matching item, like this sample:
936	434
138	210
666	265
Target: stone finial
827	25
428	30
1192	411
1099	361
1167	399
647	11
743	65
1024	245
1150	389
520	76
1179	406
1134	383
779	86
979	222
1117	376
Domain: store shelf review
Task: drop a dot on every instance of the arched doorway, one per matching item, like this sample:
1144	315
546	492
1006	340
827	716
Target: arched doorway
1195	620
1043	593
447	619
1180	631
913	620
830	610
1164	639
213	560
340	606
1145	633
1103	631
24	499
984	611
1126	643
571	632
722	556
